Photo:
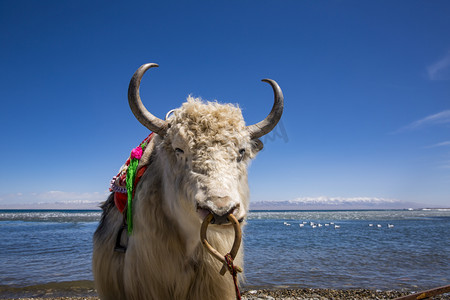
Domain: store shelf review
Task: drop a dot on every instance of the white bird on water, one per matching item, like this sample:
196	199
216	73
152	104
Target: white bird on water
379	225
390	226
337	226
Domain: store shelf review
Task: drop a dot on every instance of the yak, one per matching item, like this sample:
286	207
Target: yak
197	165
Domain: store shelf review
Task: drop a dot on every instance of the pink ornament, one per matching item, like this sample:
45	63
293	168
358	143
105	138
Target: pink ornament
136	153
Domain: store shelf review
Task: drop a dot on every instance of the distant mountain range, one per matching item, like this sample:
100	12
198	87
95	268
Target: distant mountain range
313	203
69	201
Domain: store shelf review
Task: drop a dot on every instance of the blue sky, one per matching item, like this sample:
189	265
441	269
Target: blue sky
366	85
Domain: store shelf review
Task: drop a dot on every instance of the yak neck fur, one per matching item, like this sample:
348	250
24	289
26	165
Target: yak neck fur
157	264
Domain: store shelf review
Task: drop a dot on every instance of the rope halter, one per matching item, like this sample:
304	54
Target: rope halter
227	259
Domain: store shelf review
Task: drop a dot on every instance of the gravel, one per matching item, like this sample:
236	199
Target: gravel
288	294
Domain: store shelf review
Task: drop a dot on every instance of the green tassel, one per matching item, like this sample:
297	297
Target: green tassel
131	175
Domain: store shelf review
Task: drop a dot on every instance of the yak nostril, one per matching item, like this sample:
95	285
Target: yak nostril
221	217
220	208
219	220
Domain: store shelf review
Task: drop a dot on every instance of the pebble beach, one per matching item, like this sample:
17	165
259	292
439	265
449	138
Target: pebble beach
266	294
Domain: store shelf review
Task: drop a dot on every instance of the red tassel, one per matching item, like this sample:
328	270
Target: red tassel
120	199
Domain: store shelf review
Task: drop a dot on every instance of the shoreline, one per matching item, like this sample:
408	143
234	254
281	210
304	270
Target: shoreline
84	290
279	294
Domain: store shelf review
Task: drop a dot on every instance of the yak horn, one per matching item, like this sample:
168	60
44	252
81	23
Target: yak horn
140	112
265	126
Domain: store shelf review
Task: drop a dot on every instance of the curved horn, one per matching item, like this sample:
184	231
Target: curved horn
140	112
265	126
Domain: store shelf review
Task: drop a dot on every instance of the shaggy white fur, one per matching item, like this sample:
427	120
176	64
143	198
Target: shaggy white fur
199	165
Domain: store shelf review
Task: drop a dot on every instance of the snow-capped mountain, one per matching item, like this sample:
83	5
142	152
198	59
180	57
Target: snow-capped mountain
307	203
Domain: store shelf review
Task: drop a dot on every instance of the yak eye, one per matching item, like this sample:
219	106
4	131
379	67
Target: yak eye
241	154
179	151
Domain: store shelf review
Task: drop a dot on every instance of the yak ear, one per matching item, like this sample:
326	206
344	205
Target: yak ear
257	145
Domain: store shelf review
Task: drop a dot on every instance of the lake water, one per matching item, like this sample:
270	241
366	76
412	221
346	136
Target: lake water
40	247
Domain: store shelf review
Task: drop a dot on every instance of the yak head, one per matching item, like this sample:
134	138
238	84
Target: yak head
204	149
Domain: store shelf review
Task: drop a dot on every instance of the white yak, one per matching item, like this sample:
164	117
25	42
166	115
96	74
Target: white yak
197	164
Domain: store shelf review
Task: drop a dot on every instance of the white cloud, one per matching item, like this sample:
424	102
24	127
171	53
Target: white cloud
443	144
442	117
440	70
59	199
445	165
325	202
342	200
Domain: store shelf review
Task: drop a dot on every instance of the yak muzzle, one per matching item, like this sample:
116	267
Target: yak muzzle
220	208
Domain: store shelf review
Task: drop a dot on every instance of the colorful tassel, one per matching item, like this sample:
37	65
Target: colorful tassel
124	183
